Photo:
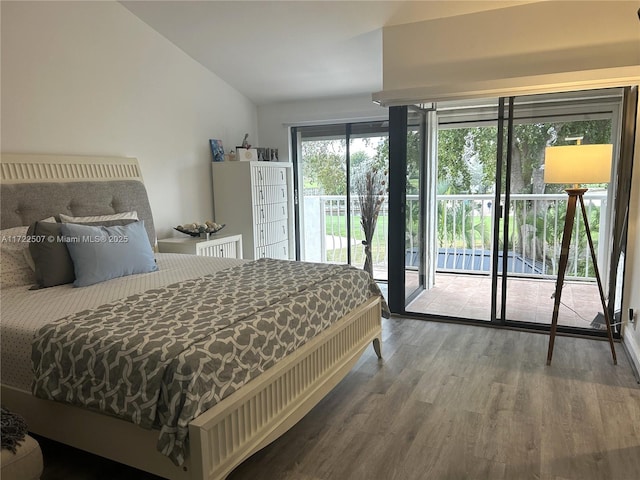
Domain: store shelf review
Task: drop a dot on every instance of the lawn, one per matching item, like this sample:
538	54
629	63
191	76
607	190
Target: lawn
336	225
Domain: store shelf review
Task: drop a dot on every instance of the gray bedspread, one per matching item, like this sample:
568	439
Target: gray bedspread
161	358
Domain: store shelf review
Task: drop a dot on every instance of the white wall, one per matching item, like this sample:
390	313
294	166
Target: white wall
631	296
90	78
274	120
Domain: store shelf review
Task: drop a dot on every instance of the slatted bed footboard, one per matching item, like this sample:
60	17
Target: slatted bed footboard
267	407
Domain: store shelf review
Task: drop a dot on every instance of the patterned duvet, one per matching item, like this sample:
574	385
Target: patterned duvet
162	357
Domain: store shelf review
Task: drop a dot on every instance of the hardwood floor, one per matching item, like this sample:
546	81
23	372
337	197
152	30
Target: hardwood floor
449	402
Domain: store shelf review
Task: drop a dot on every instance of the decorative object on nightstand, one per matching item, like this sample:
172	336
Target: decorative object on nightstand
575	164
202	230
217	245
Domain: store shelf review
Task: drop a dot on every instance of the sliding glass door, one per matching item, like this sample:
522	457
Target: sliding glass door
341	187
481	230
450	172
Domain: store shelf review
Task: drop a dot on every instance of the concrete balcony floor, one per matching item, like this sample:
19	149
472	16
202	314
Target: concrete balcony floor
528	300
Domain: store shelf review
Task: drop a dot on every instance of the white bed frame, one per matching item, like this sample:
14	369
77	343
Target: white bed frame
241	424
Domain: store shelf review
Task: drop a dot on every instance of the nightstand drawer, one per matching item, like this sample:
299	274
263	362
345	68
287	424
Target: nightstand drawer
220	245
225	250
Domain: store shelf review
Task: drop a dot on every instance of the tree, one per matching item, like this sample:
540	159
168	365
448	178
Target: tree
324	165
359	161
462	152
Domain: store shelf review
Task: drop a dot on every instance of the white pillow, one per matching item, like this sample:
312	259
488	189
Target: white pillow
14	269
99	218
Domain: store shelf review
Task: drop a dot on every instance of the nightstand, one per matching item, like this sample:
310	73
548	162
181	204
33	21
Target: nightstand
218	245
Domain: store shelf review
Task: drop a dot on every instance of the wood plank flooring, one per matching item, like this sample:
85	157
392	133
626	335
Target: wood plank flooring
449	402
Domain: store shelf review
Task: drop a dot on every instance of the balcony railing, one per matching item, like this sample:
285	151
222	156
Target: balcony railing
464	227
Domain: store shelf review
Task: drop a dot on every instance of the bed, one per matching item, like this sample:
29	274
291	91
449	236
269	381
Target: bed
250	414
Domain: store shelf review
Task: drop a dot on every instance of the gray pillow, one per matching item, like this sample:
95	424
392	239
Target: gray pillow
53	265
51	259
102	253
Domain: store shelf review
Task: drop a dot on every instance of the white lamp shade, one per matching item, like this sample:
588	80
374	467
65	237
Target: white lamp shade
578	164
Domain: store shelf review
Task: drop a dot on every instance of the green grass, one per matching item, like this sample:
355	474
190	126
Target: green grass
337	225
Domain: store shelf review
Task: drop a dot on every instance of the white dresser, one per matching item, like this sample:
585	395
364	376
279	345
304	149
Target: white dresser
218	245
254	198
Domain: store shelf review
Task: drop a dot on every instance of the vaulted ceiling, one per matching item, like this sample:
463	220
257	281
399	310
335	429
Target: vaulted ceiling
274	51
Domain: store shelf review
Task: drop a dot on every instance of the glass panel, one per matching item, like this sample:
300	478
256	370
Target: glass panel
466	186
537	212
462	197
369	167
343	172
323	215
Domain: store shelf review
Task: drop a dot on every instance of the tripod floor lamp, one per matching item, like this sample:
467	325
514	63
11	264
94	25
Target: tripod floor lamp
577	164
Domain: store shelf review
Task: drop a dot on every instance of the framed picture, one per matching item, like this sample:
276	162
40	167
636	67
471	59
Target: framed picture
217	151
267	154
247	154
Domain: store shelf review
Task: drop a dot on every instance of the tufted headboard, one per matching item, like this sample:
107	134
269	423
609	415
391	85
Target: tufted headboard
34	187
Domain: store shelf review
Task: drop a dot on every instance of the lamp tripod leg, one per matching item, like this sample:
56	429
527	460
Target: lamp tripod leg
562	268
605	310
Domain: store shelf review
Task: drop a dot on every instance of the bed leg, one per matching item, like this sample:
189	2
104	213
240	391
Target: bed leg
377	347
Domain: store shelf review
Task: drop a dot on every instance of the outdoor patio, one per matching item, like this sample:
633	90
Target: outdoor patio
528	300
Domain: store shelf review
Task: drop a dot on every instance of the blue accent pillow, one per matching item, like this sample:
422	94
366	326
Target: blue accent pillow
101	253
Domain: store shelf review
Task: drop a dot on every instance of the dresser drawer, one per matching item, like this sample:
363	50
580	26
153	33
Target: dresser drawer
270	213
264	194
270	233
269	175
278	250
